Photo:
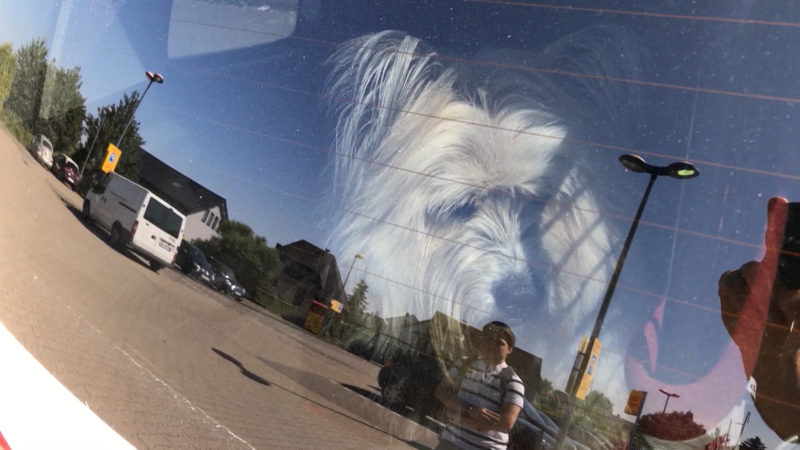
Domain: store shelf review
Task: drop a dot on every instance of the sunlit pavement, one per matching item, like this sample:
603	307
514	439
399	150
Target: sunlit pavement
161	359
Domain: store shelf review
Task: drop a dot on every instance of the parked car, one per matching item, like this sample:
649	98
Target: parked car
193	261
409	378
135	217
42	149
225	280
66	170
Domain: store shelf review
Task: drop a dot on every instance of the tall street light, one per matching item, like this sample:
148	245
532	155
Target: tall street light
154	78
357	256
680	170
107	111
666	402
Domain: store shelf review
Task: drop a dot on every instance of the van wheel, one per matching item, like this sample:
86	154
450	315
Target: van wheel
115	240
86	211
155	266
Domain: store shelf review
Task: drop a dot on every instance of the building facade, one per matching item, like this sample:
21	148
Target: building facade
204	209
309	274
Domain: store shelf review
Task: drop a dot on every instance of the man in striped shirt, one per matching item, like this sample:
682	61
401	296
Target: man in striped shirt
483	396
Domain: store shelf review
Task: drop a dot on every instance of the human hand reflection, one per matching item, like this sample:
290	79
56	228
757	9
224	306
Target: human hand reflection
763	318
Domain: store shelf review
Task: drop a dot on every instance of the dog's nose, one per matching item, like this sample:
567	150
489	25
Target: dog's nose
520	295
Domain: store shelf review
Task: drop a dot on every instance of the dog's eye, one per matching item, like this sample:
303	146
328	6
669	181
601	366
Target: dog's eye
464	212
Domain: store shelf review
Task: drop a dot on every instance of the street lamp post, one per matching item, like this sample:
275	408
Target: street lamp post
347	277
741	432
669	395
154	78
634	163
107	111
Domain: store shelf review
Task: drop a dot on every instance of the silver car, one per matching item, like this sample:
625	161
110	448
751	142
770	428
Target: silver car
42	149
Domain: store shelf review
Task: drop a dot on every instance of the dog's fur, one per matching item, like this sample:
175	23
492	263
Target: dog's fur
473	189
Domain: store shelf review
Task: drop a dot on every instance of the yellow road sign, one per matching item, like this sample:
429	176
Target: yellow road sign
586	377
635	402
111	159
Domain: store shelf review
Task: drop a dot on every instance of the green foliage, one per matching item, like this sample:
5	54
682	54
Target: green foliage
106	128
25	98
16	127
354	321
46	98
255	264
8	66
355	309
597	402
63	108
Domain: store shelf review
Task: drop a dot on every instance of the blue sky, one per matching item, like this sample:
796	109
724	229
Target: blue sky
250	123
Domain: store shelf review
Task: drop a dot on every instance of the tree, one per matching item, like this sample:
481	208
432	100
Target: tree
104	129
47	98
595	413
255	264
25	98
63	108
356	307
597	402
753	443
8	66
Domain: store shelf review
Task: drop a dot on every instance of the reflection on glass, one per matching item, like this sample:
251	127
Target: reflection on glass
469	151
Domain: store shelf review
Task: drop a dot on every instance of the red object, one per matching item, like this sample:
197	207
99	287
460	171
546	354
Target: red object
722	388
3	444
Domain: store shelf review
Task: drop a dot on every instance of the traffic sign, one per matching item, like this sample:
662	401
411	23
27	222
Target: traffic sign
586	377
111	159
635	402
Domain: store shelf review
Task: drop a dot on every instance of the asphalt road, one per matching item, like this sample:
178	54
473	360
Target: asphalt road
167	362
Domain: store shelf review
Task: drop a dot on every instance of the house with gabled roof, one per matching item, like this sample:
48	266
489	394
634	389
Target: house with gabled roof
309	274
203	208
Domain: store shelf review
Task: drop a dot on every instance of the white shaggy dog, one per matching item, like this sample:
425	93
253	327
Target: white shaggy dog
473	187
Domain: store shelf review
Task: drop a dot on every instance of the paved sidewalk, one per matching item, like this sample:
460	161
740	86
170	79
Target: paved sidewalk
166	364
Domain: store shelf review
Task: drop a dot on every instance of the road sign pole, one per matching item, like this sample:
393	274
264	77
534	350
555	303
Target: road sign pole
642	397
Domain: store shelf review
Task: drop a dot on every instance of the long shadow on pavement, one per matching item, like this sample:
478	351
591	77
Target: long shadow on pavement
409	413
241	367
326	388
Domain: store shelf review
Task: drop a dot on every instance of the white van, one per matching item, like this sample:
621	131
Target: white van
135	217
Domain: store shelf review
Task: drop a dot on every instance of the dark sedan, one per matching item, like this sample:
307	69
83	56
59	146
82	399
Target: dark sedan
193	261
66	170
225	280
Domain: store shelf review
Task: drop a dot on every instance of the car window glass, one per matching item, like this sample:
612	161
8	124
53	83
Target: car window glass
605	177
163	217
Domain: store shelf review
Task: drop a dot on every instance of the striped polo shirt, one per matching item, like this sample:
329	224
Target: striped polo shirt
481	387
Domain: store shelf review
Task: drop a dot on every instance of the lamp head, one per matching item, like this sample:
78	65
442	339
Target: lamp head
682	170
154	77
634	163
